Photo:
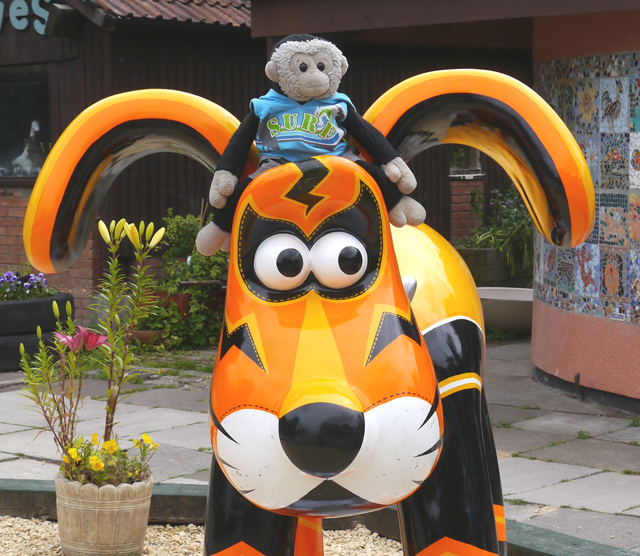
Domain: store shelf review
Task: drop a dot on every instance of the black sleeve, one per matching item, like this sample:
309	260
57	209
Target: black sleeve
369	138
235	155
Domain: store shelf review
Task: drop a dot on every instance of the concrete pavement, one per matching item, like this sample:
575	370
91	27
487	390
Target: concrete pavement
567	465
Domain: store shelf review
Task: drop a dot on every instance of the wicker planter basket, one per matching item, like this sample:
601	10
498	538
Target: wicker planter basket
104	521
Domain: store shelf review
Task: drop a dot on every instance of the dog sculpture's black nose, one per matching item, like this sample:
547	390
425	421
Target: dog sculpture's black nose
322	439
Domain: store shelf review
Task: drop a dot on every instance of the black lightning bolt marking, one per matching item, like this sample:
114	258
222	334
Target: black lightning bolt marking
216	422
313	172
393	326
242	339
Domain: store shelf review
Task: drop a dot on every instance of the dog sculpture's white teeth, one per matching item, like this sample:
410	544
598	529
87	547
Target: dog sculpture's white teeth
410	286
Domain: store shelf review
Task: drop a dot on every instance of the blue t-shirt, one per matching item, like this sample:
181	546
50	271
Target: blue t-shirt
295	131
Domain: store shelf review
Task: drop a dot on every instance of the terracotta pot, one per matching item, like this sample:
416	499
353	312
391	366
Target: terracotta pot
102	521
146	336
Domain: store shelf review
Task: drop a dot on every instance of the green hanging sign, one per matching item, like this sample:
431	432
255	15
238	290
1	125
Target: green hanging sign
21	12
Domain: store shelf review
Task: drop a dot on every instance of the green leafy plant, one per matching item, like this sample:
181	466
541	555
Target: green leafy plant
189	272
53	377
14	285
510	228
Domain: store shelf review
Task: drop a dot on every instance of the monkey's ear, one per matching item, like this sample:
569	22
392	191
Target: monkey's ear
345	65
271	69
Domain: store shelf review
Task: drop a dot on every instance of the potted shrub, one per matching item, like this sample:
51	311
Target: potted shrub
501	253
25	304
103	491
191	290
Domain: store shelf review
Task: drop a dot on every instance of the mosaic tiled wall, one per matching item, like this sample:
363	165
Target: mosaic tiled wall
598	97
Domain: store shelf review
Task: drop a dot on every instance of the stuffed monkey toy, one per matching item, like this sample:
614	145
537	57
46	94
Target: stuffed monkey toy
302	116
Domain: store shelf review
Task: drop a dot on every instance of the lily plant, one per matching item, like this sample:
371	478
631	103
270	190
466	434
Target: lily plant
53	376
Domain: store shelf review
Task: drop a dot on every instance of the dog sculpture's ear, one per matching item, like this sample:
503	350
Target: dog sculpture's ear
101	142
504	118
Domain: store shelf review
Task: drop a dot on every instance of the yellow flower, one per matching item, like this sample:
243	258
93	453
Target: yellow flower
136	442
110	446
104	232
66	459
96	463
157	238
73	453
155	446
94	439
146	438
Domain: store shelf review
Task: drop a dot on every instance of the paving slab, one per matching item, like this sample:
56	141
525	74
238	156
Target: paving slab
184	481
508	414
509	367
509	351
32	442
522	475
618	531
176	398
5	428
633	511
146	421
602	492
628	435
517	440
596	453
522	512
170	462
24	468
570	423
194	437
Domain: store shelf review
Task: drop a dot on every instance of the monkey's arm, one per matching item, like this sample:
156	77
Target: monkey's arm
381	151
232	161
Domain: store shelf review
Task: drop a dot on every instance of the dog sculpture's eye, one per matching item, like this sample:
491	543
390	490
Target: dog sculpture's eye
338	260
282	262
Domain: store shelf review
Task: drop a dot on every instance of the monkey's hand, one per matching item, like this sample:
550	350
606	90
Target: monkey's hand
211	238
407	211
222	185
399	173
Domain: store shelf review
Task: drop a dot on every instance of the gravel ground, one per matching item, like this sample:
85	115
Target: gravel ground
34	537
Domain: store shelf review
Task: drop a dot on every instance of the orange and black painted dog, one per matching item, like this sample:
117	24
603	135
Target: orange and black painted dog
349	372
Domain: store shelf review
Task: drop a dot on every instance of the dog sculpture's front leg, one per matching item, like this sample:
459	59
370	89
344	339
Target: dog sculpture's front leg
459	508
236	527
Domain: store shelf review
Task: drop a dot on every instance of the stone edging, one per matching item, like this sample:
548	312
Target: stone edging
183	504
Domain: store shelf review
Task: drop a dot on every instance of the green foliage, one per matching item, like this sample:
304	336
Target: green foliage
53	376
635	422
88	462
199	276
584	435
510	227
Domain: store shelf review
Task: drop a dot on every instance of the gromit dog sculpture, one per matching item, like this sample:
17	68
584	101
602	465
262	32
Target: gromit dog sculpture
349	371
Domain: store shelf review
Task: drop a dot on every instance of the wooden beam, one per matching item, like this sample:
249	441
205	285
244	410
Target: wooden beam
326	16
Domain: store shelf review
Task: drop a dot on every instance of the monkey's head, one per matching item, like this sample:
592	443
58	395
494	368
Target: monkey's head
306	67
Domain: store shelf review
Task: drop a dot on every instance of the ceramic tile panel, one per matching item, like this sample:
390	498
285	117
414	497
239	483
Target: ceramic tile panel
616	65
587	107
615	310
549	258
614	105
594	236
590	147
634	103
613	274
613	213
634	160
587	277
587	306
549	92
567	103
634	220
614	165
565	269
633	286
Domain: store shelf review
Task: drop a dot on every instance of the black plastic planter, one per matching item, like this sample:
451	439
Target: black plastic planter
19	320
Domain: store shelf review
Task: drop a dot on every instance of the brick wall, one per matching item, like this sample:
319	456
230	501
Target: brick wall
80	279
462	220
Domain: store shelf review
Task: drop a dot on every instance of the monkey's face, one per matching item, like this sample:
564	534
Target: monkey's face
307	70
312	74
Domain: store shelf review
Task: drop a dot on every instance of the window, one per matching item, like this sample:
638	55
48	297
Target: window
465	162
25	133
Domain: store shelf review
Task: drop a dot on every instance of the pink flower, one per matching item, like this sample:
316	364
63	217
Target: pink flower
82	338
